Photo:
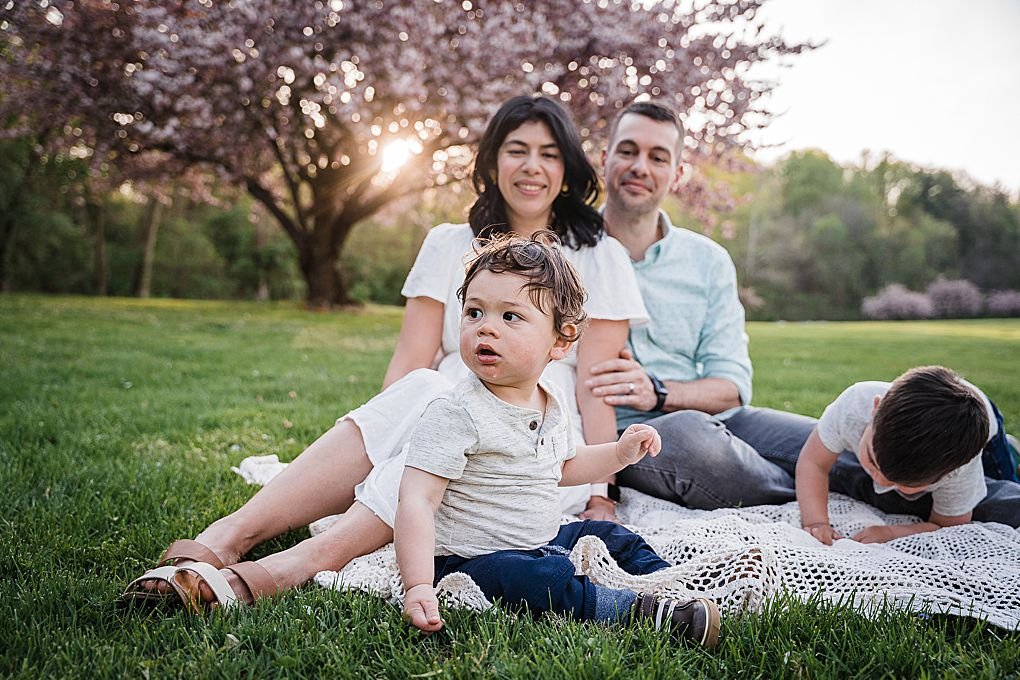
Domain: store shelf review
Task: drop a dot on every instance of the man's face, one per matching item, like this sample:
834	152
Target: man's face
642	164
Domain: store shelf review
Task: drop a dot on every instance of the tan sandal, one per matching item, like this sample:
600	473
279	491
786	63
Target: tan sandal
185	581
179	551
188	578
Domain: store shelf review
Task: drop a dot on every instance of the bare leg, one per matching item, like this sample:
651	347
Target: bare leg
358	532
318	483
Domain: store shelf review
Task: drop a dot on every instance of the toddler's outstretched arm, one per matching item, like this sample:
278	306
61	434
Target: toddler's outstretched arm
414	536
595	462
812	482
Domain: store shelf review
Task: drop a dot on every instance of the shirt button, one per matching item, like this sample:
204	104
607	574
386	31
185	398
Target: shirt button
533	424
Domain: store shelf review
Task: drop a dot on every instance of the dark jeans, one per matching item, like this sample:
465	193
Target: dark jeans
543	580
751	458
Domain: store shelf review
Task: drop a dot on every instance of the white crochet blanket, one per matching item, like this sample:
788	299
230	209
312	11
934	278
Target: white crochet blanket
742	557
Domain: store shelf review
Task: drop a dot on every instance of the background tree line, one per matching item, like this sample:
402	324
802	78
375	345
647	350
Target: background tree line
812	239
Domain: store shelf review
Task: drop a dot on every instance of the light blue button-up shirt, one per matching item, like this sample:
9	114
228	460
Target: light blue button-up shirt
689	286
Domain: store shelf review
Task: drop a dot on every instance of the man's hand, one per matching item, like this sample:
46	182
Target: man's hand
421	608
635	442
600	508
823	531
622	382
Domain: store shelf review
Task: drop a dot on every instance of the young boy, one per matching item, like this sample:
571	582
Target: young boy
479	490
920	435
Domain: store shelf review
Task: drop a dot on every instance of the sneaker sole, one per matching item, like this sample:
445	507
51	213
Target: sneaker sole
711	637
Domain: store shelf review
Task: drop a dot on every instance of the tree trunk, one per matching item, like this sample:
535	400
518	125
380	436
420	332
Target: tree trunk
8	231
319	268
97	218
264	266
153	214
320	257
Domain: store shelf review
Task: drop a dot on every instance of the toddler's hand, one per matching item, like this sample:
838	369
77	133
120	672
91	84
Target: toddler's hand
421	608
880	533
823	532
635	442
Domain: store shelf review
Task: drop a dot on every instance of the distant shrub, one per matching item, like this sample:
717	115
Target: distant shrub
955	298
895	301
1003	303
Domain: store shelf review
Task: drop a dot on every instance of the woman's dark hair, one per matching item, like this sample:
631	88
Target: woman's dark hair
574	218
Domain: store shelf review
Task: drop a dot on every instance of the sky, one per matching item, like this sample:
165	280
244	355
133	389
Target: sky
934	82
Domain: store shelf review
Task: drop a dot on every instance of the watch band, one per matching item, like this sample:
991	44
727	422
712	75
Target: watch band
660	392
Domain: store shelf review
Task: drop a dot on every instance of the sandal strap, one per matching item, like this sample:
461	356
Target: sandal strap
187	549
133	592
217	582
259	581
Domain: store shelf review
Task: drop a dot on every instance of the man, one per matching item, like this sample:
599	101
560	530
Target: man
687	373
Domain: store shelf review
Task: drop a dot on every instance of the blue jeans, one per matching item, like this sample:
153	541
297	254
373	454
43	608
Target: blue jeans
543	580
751	459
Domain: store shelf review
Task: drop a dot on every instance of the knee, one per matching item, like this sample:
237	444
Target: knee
689	436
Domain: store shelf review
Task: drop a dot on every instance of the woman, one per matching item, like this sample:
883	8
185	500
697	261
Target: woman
530	173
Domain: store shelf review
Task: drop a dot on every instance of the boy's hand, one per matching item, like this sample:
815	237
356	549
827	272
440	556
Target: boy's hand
823	531
635	442
421	608
880	533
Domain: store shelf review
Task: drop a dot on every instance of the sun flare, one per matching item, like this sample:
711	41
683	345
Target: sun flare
395	155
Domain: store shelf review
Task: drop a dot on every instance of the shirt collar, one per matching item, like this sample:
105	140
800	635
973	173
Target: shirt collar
655	250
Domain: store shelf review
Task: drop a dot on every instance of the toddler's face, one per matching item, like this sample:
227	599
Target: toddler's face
505	339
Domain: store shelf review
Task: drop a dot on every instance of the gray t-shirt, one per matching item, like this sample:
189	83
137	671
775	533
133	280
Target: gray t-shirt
504	464
843	423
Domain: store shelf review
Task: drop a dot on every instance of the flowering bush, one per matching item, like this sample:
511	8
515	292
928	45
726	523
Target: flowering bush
895	301
955	298
1003	303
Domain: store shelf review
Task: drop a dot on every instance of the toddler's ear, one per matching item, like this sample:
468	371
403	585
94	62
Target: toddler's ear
561	347
874	403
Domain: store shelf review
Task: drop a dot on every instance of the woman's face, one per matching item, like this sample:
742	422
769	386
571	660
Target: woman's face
529	174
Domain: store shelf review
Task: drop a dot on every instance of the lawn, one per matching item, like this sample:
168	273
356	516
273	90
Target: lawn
120	419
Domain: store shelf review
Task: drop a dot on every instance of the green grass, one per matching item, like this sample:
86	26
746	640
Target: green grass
119	420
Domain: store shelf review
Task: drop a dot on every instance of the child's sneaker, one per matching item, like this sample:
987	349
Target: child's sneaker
696	619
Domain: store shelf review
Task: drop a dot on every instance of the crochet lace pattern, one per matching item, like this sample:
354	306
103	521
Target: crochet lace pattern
742	557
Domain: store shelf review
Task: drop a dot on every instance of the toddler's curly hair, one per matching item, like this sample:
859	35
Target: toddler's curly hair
549	277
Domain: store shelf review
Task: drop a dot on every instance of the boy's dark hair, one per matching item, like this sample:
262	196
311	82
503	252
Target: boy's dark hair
549	275
928	424
574	217
656	110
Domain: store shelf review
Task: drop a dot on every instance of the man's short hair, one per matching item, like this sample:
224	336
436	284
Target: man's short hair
928	424
656	110
549	276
